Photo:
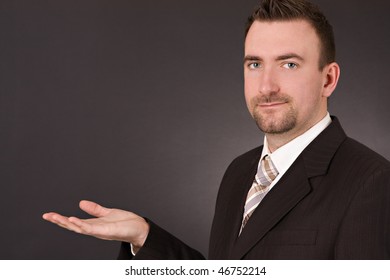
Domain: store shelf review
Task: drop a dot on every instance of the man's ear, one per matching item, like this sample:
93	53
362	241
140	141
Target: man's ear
331	78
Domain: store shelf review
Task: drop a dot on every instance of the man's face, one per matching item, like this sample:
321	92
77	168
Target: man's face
283	83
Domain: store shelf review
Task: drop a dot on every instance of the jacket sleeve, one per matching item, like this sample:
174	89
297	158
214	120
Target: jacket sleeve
160	245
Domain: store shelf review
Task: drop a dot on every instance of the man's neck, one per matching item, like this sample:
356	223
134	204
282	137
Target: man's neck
277	141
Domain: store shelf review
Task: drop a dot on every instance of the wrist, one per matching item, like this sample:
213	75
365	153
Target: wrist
138	242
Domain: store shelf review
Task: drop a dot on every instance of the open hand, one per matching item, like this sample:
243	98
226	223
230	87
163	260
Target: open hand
109	224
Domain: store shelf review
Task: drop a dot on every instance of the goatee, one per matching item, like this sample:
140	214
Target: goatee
277	122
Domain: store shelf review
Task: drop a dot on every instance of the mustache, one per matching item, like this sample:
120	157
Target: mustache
272	98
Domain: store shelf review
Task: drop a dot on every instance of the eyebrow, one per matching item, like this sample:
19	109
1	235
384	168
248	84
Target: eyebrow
289	56
251	58
278	58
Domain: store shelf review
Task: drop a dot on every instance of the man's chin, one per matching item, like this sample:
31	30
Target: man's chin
276	122
275	127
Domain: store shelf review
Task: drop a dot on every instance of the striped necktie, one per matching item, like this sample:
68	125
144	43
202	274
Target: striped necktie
260	187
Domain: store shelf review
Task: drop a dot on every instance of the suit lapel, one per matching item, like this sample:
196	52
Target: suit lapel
276	204
237	202
290	190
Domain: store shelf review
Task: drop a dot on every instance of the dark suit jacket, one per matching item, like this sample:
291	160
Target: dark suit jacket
332	203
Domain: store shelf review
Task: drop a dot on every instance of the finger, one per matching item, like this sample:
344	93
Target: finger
86	226
61	221
93	208
47	216
70	226
51	216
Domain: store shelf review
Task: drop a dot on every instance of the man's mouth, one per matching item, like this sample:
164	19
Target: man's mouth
272	104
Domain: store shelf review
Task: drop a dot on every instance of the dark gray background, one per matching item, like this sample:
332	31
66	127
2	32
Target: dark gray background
138	104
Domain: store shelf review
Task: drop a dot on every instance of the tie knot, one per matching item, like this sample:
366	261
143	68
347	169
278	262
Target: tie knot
266	172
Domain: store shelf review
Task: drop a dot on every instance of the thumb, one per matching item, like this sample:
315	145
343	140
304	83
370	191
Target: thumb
93	208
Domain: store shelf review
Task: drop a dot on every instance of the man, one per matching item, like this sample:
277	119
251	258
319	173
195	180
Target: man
309	192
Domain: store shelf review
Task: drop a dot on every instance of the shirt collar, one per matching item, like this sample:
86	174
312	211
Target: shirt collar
284	156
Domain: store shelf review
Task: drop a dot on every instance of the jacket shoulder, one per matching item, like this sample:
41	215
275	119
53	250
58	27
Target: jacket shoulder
247	158
359	154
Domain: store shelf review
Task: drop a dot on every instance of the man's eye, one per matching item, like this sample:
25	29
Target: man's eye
290	65
254	65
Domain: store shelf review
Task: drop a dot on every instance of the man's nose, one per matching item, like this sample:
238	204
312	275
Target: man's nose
268	82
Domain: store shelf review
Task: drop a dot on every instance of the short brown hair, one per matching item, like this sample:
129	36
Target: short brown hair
285	10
